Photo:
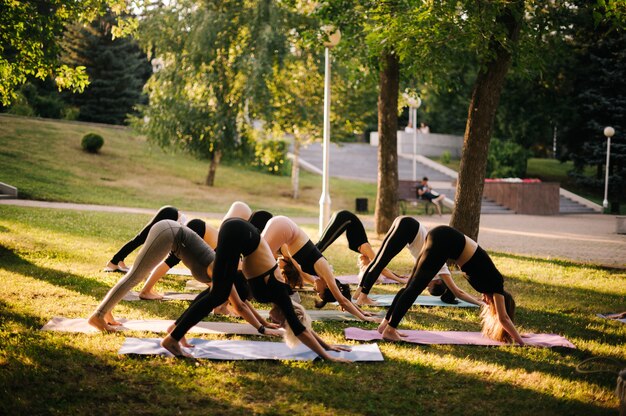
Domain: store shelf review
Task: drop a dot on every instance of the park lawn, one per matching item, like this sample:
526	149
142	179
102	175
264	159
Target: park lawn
50	263
44	160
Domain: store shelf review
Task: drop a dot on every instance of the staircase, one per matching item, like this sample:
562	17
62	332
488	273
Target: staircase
7	191
569	206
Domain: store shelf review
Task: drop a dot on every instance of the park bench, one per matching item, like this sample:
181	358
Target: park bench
407	197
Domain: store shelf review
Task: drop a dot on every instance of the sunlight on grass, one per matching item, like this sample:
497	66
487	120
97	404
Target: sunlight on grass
50	265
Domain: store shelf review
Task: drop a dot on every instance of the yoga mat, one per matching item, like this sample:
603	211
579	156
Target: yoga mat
325	315
612	319
195	285
179	271
458	337
247	350
134	296
59	323
385	300
354	279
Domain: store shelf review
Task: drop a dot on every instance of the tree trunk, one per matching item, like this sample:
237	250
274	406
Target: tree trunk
387	198
295	169
482	110
215	160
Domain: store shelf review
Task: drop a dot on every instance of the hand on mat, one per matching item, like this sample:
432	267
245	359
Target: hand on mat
376	319
275	332
338	359
338	348
270	325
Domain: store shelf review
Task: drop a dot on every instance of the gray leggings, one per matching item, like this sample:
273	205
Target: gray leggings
164	236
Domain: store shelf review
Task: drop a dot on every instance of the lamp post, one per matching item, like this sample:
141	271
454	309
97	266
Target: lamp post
608	132
331	37
414	103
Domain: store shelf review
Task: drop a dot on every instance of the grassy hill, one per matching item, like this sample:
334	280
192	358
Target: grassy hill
44	160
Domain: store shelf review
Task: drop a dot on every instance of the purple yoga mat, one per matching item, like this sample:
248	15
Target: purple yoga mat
458	337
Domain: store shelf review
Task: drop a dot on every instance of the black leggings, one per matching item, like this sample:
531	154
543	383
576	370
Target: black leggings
442	243
164	213
277	293
343	221
236	238
402	232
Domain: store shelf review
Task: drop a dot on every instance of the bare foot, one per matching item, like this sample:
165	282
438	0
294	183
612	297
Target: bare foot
122	266
357	293
100	324
363	299
392	334
173	346
183	340
150	295
108	317
382	326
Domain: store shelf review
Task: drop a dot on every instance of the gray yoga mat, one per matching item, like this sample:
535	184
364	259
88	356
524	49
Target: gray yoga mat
247	350
59	323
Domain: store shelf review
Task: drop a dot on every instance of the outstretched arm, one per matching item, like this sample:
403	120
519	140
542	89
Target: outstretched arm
259	317
323	271
458	292
505	320
310	339
246	313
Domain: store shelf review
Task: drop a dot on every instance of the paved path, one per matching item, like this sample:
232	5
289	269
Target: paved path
587	238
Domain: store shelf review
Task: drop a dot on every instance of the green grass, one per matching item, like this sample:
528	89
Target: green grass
50	263
44	160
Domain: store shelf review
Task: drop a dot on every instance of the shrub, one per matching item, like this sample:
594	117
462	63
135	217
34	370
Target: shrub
92	142
445	157
270	156
506	159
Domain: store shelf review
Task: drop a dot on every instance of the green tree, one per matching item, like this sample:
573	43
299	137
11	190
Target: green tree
217	58
117	70
29	36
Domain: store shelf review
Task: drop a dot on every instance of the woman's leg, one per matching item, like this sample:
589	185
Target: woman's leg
236	237
434	254
165	213
158	244
343	221
402	232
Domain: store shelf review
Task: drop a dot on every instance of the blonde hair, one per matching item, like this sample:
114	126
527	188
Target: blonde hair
290	338
492	328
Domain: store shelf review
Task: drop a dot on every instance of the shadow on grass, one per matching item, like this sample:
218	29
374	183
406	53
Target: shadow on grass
558	262
12	262
44	373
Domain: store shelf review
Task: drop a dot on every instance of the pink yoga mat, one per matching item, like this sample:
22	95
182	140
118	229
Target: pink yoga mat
458	337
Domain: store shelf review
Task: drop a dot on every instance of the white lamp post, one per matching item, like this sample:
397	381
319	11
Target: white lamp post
608	132
332	36
413	103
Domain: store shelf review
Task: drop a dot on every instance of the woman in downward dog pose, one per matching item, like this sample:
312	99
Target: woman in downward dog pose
184	243
239	238
443	243
408	232
209	235
281	233
345	221
116	264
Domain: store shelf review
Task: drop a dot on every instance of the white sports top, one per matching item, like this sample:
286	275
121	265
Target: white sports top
415	247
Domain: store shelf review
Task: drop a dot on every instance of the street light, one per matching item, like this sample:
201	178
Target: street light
608	132
331	37
414	103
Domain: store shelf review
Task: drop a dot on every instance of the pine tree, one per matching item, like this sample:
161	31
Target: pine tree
117	70
601	100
